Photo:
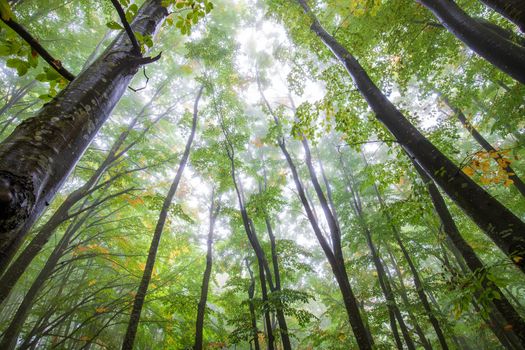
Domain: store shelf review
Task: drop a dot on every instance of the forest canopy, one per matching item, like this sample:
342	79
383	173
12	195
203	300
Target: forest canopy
262	174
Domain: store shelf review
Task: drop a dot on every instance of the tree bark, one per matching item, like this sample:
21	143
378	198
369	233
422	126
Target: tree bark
138	301
415	274
499	223
254	242
502	53
40	153
283	327
516	180
214	212
513	10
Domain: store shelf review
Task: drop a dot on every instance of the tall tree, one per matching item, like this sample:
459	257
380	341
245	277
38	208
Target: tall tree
199	325
333	254
499	223
138	300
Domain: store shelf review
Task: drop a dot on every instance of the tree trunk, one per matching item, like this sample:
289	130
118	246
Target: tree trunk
12	332
214	212
502	53
251	293
259	253
513	10
363	337
40	153
16	96
517	182
283	327
504	307
138	301
384	283
404	296
415	274
499	223
18	267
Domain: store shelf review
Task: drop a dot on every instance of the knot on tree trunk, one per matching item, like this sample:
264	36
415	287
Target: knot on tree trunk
16	201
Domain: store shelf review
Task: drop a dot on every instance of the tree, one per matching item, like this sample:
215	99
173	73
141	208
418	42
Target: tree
138	300
214	212
501	225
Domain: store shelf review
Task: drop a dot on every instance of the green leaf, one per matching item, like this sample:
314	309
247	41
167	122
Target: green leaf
5	10
20	65
114	25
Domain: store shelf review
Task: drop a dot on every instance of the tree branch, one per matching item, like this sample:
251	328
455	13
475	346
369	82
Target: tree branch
35	45
127	27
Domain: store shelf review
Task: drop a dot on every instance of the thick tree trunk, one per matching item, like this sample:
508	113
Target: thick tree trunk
516	180
138	301
12	332
513	10
504	307
502	53
17	268
40	153
499	223
214	212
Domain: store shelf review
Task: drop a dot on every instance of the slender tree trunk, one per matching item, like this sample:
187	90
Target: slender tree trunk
363	337
404	296
504	307
415	274
259	253
513	10
384	283
214	212
17	95
40	153
502	53
499	223
517	182
253	320
283	327
138	301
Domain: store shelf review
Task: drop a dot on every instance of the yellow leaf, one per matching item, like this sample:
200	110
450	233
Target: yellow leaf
485	180
92	283
101	309
468	170
517	259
